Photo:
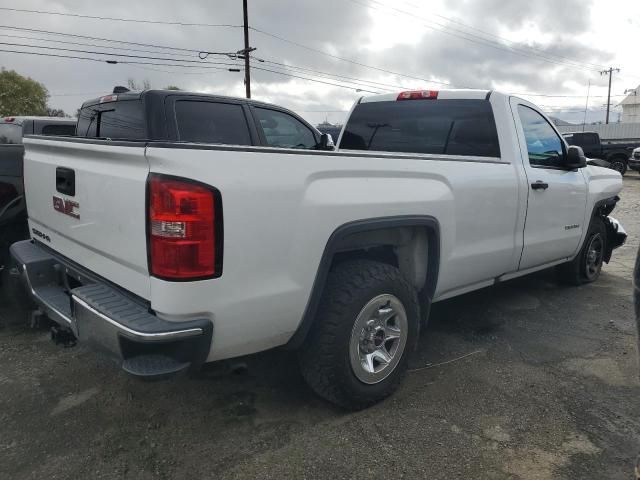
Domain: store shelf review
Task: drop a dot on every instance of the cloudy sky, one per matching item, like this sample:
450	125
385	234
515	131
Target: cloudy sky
550	48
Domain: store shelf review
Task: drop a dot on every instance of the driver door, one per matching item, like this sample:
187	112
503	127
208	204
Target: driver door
556	195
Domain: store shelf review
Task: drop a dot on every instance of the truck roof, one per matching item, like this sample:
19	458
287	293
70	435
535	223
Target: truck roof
463	94
19	120
158	93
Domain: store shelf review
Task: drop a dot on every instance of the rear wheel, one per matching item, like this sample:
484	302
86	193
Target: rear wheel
587	265
356	352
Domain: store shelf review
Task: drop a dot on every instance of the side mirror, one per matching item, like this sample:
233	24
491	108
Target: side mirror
326	142
575	158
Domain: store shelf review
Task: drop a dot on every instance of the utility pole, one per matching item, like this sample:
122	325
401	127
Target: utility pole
247	50
610	73
586	106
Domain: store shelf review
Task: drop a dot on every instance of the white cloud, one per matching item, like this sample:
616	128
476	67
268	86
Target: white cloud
422	44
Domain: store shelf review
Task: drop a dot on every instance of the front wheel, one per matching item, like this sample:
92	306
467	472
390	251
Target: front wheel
356	352
587	265
619	165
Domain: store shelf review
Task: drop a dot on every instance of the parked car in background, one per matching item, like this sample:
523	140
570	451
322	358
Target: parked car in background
634	161
13	214
189	228
616	153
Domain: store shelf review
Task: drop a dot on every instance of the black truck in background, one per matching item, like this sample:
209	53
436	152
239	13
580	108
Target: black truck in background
13	211
617	154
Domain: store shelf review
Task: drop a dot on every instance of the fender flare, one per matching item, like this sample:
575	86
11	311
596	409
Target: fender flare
618	155
369	225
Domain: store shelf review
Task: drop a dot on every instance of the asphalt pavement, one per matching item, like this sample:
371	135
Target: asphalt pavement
525	380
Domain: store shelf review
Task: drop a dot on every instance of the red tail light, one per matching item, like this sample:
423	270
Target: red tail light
184	229
418	95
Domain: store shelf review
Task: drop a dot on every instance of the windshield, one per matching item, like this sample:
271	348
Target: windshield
10	133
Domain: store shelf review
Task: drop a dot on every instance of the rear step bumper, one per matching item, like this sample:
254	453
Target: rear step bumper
107	319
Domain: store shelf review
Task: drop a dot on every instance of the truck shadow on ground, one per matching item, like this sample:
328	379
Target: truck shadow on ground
510	313
470	323
268	407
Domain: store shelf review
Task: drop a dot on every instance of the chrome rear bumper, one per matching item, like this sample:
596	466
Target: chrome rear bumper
108	319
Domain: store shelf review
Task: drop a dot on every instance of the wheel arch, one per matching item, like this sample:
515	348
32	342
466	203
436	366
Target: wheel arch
618	156
413	240
602	209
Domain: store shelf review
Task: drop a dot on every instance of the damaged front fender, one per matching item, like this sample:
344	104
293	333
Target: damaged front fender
616	236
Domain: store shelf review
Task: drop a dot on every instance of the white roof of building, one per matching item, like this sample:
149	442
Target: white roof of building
633	98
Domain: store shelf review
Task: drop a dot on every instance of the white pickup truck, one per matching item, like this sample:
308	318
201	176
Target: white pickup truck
180	229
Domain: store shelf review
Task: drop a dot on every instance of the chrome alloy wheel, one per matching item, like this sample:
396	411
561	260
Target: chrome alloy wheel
378	339
595	253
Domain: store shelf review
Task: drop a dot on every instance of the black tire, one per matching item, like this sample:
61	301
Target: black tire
325	359
619	165
582	269
15	303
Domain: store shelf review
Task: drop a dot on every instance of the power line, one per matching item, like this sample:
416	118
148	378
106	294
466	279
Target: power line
471	37
348	60
503	39
344	79
313	80
378	84
355	80
526	94
128	49
114	62
162	22
191	51
50	32
111	54
118	19
208	65
95	17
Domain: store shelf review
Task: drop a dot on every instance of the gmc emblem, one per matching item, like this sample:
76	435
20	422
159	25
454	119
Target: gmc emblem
68	207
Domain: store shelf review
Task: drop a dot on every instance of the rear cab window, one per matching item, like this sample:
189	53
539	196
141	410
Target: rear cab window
118	120
446	127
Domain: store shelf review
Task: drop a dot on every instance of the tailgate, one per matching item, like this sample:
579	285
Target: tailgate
101	225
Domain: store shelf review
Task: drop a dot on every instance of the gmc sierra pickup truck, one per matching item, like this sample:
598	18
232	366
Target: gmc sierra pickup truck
187	228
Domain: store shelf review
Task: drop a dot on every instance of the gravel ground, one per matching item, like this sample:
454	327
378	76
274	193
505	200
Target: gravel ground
527	380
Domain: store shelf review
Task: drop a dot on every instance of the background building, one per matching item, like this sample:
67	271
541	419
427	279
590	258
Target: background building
631	107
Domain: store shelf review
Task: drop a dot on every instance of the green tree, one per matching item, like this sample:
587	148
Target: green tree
21	95
171	87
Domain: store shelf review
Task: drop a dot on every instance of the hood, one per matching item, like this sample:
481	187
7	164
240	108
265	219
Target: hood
599	162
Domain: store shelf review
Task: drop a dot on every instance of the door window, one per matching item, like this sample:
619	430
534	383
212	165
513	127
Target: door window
283	130
212	122
544	146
